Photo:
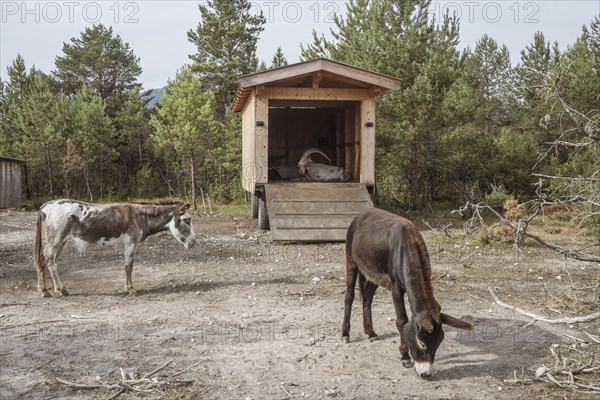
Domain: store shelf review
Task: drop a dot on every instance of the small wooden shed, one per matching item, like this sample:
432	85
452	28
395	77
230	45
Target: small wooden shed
10	182
319	104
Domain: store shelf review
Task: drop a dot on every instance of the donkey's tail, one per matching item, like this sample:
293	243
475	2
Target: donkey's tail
38	257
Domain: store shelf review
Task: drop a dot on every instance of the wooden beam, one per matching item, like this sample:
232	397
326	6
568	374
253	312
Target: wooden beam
250	172
343	79
367	142
316	79
306	103
308	67
262	140
327	94
360	74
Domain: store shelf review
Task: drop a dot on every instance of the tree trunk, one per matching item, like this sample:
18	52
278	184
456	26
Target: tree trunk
193	176
86	176
413	175
50	176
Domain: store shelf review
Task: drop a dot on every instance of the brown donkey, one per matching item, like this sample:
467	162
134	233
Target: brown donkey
383	249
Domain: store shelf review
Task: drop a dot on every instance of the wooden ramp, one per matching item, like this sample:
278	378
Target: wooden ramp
314	211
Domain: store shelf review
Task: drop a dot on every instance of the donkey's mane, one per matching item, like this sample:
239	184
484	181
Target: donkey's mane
160	202
155	207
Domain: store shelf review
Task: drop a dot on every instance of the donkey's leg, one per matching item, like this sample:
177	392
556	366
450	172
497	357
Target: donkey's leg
41	273
53	268
368	291
401	320
351	274
128	253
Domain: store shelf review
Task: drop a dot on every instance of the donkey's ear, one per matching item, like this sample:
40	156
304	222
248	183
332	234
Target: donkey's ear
455	322
425	323
184	209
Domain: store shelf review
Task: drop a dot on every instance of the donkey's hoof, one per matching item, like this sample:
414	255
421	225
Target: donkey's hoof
345	339
408	363
46	293
131	291
63	292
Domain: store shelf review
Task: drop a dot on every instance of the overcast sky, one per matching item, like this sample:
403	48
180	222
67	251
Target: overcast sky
157	30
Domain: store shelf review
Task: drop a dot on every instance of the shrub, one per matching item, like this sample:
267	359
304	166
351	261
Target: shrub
512	212
552	230
497	197
502	233
558	212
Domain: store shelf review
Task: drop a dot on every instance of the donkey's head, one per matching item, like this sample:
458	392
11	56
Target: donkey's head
181	226
423	335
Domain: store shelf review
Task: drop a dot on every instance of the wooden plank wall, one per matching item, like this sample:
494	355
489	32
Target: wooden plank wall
250	171
262	139
10	184
367	142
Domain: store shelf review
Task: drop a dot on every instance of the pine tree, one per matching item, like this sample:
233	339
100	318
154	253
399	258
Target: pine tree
423	54
132	134
101	61
396	37
93	136
355	40
185	124
225	41
537	58
279	59
262	67
43	121
14	93
488	69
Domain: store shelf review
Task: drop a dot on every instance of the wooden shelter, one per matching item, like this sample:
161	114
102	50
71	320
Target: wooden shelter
10	182
319	104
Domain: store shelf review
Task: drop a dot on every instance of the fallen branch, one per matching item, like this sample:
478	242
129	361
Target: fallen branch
522	231
141	385
184	370
82	386
154	371
567	320
570	366
594	338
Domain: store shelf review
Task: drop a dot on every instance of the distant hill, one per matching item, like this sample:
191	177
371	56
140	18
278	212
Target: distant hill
154	97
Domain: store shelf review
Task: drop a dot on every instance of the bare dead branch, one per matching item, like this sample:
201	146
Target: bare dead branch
569	365
82	386
154	371
569	178
567	320
521	230
130	384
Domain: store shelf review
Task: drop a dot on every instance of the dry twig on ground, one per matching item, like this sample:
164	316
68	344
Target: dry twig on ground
567	320
520	230
139	385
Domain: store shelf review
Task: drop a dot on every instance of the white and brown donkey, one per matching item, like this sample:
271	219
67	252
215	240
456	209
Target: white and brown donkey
101	225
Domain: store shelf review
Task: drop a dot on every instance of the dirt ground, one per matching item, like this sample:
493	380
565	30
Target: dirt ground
256	319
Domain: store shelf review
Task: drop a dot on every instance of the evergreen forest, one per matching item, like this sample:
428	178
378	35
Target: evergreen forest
466	126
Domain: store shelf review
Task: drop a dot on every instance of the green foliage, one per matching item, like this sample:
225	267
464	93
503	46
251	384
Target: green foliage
43	125
497	196
102	62
13	95
185	125
225	41
95	143
461	121
279	59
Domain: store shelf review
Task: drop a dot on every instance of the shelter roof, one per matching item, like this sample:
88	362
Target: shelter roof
318	73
